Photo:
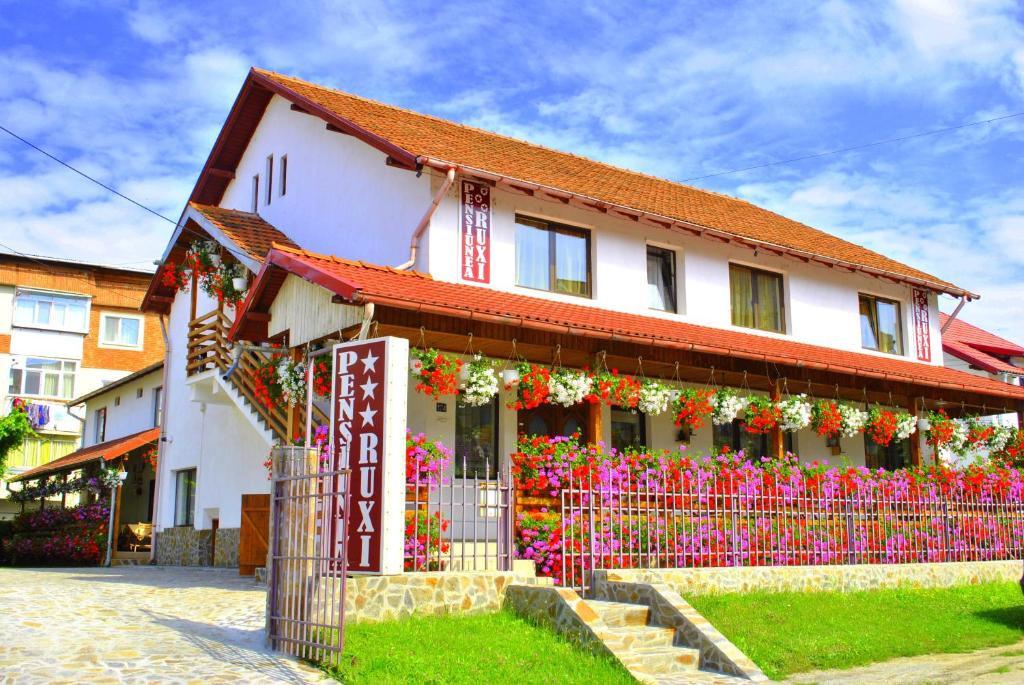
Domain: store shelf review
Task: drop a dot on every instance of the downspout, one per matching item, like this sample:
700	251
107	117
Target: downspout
414	243
160	443
963	301
364	327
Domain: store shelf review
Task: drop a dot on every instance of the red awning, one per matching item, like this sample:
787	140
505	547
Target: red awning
109	450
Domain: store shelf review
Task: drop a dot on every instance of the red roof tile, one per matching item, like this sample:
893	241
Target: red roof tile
111	449
422	136
977	347
361	282
245	229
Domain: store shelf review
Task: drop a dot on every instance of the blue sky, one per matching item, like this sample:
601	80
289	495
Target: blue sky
135	93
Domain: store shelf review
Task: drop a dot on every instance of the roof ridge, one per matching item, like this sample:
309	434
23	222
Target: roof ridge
200	206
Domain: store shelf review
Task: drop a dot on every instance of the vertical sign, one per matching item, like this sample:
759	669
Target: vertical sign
475	231
368	416
922	329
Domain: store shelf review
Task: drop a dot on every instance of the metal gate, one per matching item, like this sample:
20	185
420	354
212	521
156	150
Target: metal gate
307	560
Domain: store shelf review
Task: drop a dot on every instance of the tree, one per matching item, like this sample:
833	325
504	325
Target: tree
14	428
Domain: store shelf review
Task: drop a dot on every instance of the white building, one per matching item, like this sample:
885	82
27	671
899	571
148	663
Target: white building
564	260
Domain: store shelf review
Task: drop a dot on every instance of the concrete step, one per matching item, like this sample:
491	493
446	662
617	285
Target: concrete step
700	678
639	637
661	661
619	614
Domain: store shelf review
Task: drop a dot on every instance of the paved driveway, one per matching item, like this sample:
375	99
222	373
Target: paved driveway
136	624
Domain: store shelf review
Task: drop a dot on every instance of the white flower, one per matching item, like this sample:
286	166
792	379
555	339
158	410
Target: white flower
796	413
1001	435
481	383
727	407
654	398
291	375
568	387
906	425
854	420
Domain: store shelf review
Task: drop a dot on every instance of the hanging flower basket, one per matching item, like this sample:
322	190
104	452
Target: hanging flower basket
946	433
654	398
479	382
568	387
510	377
854	420
265	383
763	415
323	372
532	390
437	374
796	413
881	425
826	419
693	407
728	406
221	283
291	377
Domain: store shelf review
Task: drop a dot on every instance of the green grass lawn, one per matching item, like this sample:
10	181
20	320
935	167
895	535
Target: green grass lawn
787	633
491	649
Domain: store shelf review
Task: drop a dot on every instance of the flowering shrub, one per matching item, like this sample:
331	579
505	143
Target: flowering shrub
654	398
945	433
266	384
826	419
106	479
436	373
693	407
567	386
881	425
727	407
796	413
763	414
425	460
728	510
14	428
1011	454
424	545
323	371
532	390
150	456
62	537
291	378
480	383
219	283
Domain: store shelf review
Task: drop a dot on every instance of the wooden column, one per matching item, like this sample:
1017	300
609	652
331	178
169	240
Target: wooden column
915	439
776	444
594	427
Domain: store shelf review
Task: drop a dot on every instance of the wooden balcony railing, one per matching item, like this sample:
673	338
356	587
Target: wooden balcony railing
208	349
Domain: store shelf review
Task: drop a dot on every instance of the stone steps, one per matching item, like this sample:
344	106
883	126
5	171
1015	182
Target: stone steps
642	648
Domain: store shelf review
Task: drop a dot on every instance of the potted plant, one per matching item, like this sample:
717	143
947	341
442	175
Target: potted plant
692	407
763	414
796	413
654	398
567	387
479	382
728	405
437	373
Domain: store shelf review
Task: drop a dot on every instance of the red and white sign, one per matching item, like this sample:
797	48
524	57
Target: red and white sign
368	415
475	231
922	329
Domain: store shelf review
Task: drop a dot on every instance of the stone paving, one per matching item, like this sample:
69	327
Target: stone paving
136	624
995	666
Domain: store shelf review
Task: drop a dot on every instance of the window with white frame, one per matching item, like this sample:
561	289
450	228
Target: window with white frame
184	497
158	405
120	330
42	377
40	309
100	434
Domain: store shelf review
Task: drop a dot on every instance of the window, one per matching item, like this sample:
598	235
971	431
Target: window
552	257
184	497
117	401
895	455
101	425
736	437
757	299
284	174
255	193
117	330
270	178
476	441
629	429
880	325
42	377
45	310
138	393
158	405
661	279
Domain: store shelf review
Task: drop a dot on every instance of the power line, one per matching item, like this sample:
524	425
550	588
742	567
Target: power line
856	147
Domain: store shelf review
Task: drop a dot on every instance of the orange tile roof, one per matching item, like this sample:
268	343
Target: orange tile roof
362	282
245	229
426	136
977	346
109	450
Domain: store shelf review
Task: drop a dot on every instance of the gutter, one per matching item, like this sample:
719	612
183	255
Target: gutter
696	229
414	242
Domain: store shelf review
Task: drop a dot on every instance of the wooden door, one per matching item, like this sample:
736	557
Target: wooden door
550	419
255	535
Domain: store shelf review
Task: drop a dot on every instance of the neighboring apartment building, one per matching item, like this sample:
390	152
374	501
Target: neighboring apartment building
348	214
66	329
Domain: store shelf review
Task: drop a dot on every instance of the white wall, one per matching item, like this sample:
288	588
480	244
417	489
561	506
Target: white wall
342	199
217	440
821	303
131	415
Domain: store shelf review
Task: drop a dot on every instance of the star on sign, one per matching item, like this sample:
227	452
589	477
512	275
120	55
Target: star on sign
369	389
368	415
369	362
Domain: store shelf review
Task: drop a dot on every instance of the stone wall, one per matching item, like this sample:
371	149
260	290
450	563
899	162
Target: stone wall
183	546
225	552
710	581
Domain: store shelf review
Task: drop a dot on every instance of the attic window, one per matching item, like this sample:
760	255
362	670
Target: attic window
284	174
270	178
255	193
